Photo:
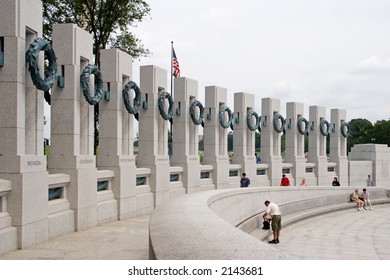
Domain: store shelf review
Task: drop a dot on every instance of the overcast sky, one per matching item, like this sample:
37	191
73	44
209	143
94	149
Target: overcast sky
331	53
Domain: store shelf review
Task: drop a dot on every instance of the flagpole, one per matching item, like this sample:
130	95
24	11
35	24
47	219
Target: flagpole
172	68
171	95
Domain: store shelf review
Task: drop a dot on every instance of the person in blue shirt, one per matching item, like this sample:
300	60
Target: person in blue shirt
244	182
370	182
258	159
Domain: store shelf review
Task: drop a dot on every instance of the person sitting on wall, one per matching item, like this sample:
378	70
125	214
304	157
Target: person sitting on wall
258	159
285	182
365	197
303	183
335	182
244	182
355	198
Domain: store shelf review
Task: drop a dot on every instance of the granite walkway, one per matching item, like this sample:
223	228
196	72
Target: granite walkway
120	240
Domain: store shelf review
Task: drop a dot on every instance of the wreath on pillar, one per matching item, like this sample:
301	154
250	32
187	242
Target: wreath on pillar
324	127
165	115
278	128
137	98
195	120
251	126
84	83
302	130
345	129
32	59
222	122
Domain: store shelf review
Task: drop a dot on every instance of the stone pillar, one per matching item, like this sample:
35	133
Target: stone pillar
116	131
153	132
317	145
270	140
243	137
185	134
295	142
22	119
215	136
338	145
72	150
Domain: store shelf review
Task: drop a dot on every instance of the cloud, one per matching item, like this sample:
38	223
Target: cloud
374	65
364	90
330	54
370	73
285	89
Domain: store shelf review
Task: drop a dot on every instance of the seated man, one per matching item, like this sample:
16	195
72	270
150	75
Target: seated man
365	197
355	198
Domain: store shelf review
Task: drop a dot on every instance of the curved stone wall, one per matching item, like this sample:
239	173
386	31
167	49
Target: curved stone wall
203	225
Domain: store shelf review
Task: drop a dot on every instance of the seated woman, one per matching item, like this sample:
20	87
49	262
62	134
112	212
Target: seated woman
303	183
355	198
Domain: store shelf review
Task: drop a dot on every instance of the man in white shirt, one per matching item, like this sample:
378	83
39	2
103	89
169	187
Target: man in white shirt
274	211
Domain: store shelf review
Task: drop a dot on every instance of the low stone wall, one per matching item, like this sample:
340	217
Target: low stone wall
8	234
205	225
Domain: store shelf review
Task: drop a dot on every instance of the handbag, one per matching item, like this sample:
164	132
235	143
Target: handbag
266	224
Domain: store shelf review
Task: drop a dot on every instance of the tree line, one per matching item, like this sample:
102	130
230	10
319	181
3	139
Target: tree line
362	131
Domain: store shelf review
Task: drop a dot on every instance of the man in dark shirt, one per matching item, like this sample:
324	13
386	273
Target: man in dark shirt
244	182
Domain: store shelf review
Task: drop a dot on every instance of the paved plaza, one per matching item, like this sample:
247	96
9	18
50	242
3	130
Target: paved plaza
121	240
346	234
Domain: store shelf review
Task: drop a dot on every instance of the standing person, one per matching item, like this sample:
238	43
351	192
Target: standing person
365	197
370	182
276	216
285	182
244	182
335	182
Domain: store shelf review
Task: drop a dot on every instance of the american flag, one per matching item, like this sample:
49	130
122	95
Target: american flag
175	64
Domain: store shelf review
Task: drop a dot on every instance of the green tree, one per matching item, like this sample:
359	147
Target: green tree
360	132
107	20
257	142
283	144
230	141
328	144
306	143
380	133
201	145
